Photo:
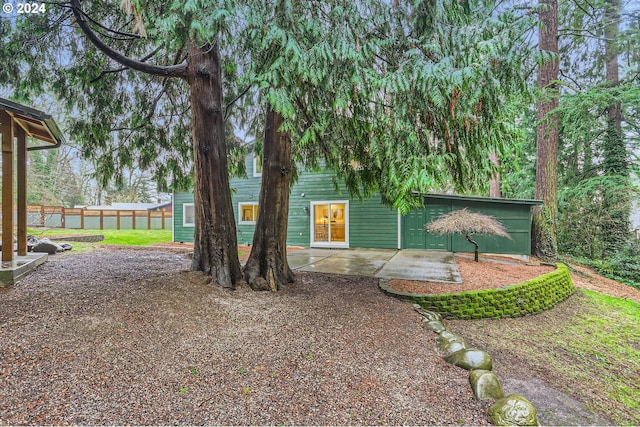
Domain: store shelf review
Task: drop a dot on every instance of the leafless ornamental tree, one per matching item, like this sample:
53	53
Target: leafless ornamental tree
468	223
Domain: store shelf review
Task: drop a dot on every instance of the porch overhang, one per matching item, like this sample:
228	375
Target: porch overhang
17	122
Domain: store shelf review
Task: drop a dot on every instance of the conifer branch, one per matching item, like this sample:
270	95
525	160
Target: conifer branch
179	70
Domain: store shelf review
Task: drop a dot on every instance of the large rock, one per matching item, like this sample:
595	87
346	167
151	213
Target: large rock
485	385
433	325
448	342
430	315
470	359
513	410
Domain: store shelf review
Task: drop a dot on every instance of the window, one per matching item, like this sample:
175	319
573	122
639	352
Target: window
257	165
188	215
248	213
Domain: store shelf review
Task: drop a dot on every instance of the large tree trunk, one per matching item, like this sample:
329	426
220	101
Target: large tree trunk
545	219
215	245
614	147
267	267
495	183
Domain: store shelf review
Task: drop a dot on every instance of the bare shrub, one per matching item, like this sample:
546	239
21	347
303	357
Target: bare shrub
463	221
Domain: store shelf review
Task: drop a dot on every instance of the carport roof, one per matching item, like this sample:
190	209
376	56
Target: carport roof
35	123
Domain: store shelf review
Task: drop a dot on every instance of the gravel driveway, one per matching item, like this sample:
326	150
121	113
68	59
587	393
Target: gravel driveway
133	337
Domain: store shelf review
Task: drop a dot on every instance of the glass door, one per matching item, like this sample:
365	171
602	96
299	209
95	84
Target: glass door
330	225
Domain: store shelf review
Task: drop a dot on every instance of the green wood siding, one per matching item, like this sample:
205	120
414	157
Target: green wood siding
370	223
514	214
181	233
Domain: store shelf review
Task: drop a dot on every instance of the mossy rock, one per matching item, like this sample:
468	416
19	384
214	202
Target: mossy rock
470	359
485	384
513	410
434	325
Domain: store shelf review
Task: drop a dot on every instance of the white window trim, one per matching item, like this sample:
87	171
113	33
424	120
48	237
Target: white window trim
315	244
184	217
255	167
240	221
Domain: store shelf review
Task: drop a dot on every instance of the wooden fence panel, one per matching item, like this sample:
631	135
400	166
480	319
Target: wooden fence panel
61	217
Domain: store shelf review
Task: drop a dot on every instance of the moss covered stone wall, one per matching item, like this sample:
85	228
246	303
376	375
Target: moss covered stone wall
532	296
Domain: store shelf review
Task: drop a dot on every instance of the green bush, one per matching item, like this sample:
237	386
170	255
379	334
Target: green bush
623	265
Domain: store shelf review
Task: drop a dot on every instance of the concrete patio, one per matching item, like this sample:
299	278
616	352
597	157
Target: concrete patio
406	264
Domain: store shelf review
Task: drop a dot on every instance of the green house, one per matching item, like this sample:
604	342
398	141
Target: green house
320	216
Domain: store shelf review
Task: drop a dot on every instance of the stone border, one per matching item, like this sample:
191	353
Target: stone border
511	410
88	238
529	297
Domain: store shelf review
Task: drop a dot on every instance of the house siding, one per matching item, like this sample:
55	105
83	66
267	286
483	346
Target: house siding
515	215
371	224
180	232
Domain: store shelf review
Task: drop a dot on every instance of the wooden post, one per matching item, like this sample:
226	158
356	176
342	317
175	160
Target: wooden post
148	220
163	219
101	219
6	131
42	217
82	219
133	219
22	190
63	222
118	219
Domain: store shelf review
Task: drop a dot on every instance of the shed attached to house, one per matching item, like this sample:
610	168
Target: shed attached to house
514	214
321	216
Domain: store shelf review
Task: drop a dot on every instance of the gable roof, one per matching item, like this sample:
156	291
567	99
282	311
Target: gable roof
35	123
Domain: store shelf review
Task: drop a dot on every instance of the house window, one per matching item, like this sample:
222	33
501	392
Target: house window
248	213
257	165
188	215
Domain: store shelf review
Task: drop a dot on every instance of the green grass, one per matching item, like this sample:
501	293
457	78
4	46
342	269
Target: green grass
587	346
112	237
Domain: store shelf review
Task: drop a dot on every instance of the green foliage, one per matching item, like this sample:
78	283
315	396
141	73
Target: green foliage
391	102
589	213
623	266
121	119
521	299
52	180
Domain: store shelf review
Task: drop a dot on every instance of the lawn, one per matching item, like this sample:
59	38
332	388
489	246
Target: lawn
112	237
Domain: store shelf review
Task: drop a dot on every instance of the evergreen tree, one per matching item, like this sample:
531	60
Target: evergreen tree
545	218
130	108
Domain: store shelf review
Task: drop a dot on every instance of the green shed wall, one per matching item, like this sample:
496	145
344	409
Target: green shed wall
515	215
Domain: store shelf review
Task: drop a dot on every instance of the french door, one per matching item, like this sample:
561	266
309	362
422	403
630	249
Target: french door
330	224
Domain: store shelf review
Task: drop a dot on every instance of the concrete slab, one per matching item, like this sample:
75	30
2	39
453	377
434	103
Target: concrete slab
419	264
300	258
11	272
351	265
383	263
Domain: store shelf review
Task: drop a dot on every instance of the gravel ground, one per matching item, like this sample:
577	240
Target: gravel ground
133	337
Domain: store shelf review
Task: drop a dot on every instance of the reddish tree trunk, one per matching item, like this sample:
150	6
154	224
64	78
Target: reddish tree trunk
495	182
267	267
544	219
215	245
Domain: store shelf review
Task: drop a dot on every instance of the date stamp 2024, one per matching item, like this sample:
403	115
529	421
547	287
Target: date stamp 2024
28	8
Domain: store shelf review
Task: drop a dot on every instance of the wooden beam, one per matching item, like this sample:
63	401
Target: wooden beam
6	131
21	167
